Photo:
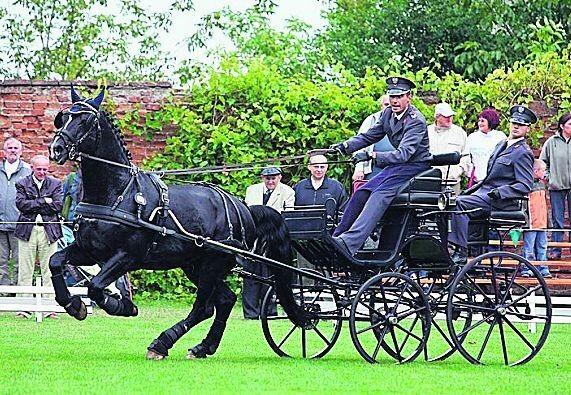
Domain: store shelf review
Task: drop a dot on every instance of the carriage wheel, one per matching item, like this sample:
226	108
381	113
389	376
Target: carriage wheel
511	316
440	346
313	340
390	312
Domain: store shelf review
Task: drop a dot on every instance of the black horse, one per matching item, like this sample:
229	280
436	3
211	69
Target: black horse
129	219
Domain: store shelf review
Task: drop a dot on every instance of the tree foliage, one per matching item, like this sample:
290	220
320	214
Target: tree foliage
81	39
290	51
470	37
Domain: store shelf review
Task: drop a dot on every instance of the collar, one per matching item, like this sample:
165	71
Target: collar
11	168
317	184
39	183
512	142
399	116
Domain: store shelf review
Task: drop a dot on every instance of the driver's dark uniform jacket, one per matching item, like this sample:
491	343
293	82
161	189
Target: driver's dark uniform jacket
408	133
510	172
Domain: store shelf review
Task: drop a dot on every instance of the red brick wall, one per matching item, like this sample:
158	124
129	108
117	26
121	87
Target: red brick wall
27	110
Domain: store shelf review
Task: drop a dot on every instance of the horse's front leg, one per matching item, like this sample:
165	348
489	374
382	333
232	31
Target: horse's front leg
111	271
73	305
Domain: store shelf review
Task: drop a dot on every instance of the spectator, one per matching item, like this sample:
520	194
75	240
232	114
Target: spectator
270	192
535	239
368	169
406	129
510	177
556	153
39	199
444	137
72	194
481	143
13	169
316	190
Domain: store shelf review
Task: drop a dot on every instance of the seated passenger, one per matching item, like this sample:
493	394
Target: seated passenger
406	129
509	177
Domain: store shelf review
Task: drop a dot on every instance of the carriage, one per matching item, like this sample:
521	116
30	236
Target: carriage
402	295
395	295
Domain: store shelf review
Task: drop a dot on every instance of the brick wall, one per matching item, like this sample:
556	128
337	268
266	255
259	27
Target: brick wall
27	110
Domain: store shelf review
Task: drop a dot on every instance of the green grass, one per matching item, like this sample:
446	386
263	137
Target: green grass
106	355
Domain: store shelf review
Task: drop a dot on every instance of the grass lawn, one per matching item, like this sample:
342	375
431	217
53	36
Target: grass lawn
106	355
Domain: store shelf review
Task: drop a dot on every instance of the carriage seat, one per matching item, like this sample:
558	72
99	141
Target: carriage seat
507	218
425	190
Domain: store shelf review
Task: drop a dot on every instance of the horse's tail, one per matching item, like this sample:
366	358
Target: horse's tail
273	241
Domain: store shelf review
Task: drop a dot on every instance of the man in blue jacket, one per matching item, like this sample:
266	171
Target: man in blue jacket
406	129
509	177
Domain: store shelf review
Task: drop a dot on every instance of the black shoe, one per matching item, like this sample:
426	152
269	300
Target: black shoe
341	245
460	256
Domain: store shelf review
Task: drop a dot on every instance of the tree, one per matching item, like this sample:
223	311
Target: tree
71	39
291	51
470	37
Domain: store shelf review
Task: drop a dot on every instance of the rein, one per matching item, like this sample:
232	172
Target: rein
219	168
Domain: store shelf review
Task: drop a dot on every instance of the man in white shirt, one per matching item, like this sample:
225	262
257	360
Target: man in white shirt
445	137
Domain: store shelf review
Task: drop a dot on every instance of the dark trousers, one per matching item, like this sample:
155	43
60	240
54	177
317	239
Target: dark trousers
370	202
254	291
559	200
459	222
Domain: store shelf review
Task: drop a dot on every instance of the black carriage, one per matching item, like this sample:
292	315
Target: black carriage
403	296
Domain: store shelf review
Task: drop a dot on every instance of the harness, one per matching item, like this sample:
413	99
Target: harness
159	214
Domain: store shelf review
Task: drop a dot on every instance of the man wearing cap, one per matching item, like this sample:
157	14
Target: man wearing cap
509	177
406	129
270	192
445	137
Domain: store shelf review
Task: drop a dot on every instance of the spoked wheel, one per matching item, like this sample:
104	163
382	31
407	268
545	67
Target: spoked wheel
511	316
317	337
390	312
440	346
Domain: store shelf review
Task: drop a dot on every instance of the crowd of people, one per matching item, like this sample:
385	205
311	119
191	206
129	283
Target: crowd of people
392	146
32	207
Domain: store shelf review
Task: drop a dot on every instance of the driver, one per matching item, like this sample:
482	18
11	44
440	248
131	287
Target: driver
406	130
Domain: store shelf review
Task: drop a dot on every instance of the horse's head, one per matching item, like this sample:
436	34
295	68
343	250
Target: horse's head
77	128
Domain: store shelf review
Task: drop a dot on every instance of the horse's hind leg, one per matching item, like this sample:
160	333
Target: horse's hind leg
224	300
211	273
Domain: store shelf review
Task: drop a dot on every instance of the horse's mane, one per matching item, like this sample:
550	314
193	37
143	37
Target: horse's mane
117	133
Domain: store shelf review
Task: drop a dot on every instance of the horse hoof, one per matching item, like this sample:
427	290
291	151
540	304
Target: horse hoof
135	311
154	356
190	355
82	313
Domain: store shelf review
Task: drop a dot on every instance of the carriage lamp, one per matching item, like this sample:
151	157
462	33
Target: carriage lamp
442	201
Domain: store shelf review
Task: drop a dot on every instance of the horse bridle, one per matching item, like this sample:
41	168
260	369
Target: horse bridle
92	121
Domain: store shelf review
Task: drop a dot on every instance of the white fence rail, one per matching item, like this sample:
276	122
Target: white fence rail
37	299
